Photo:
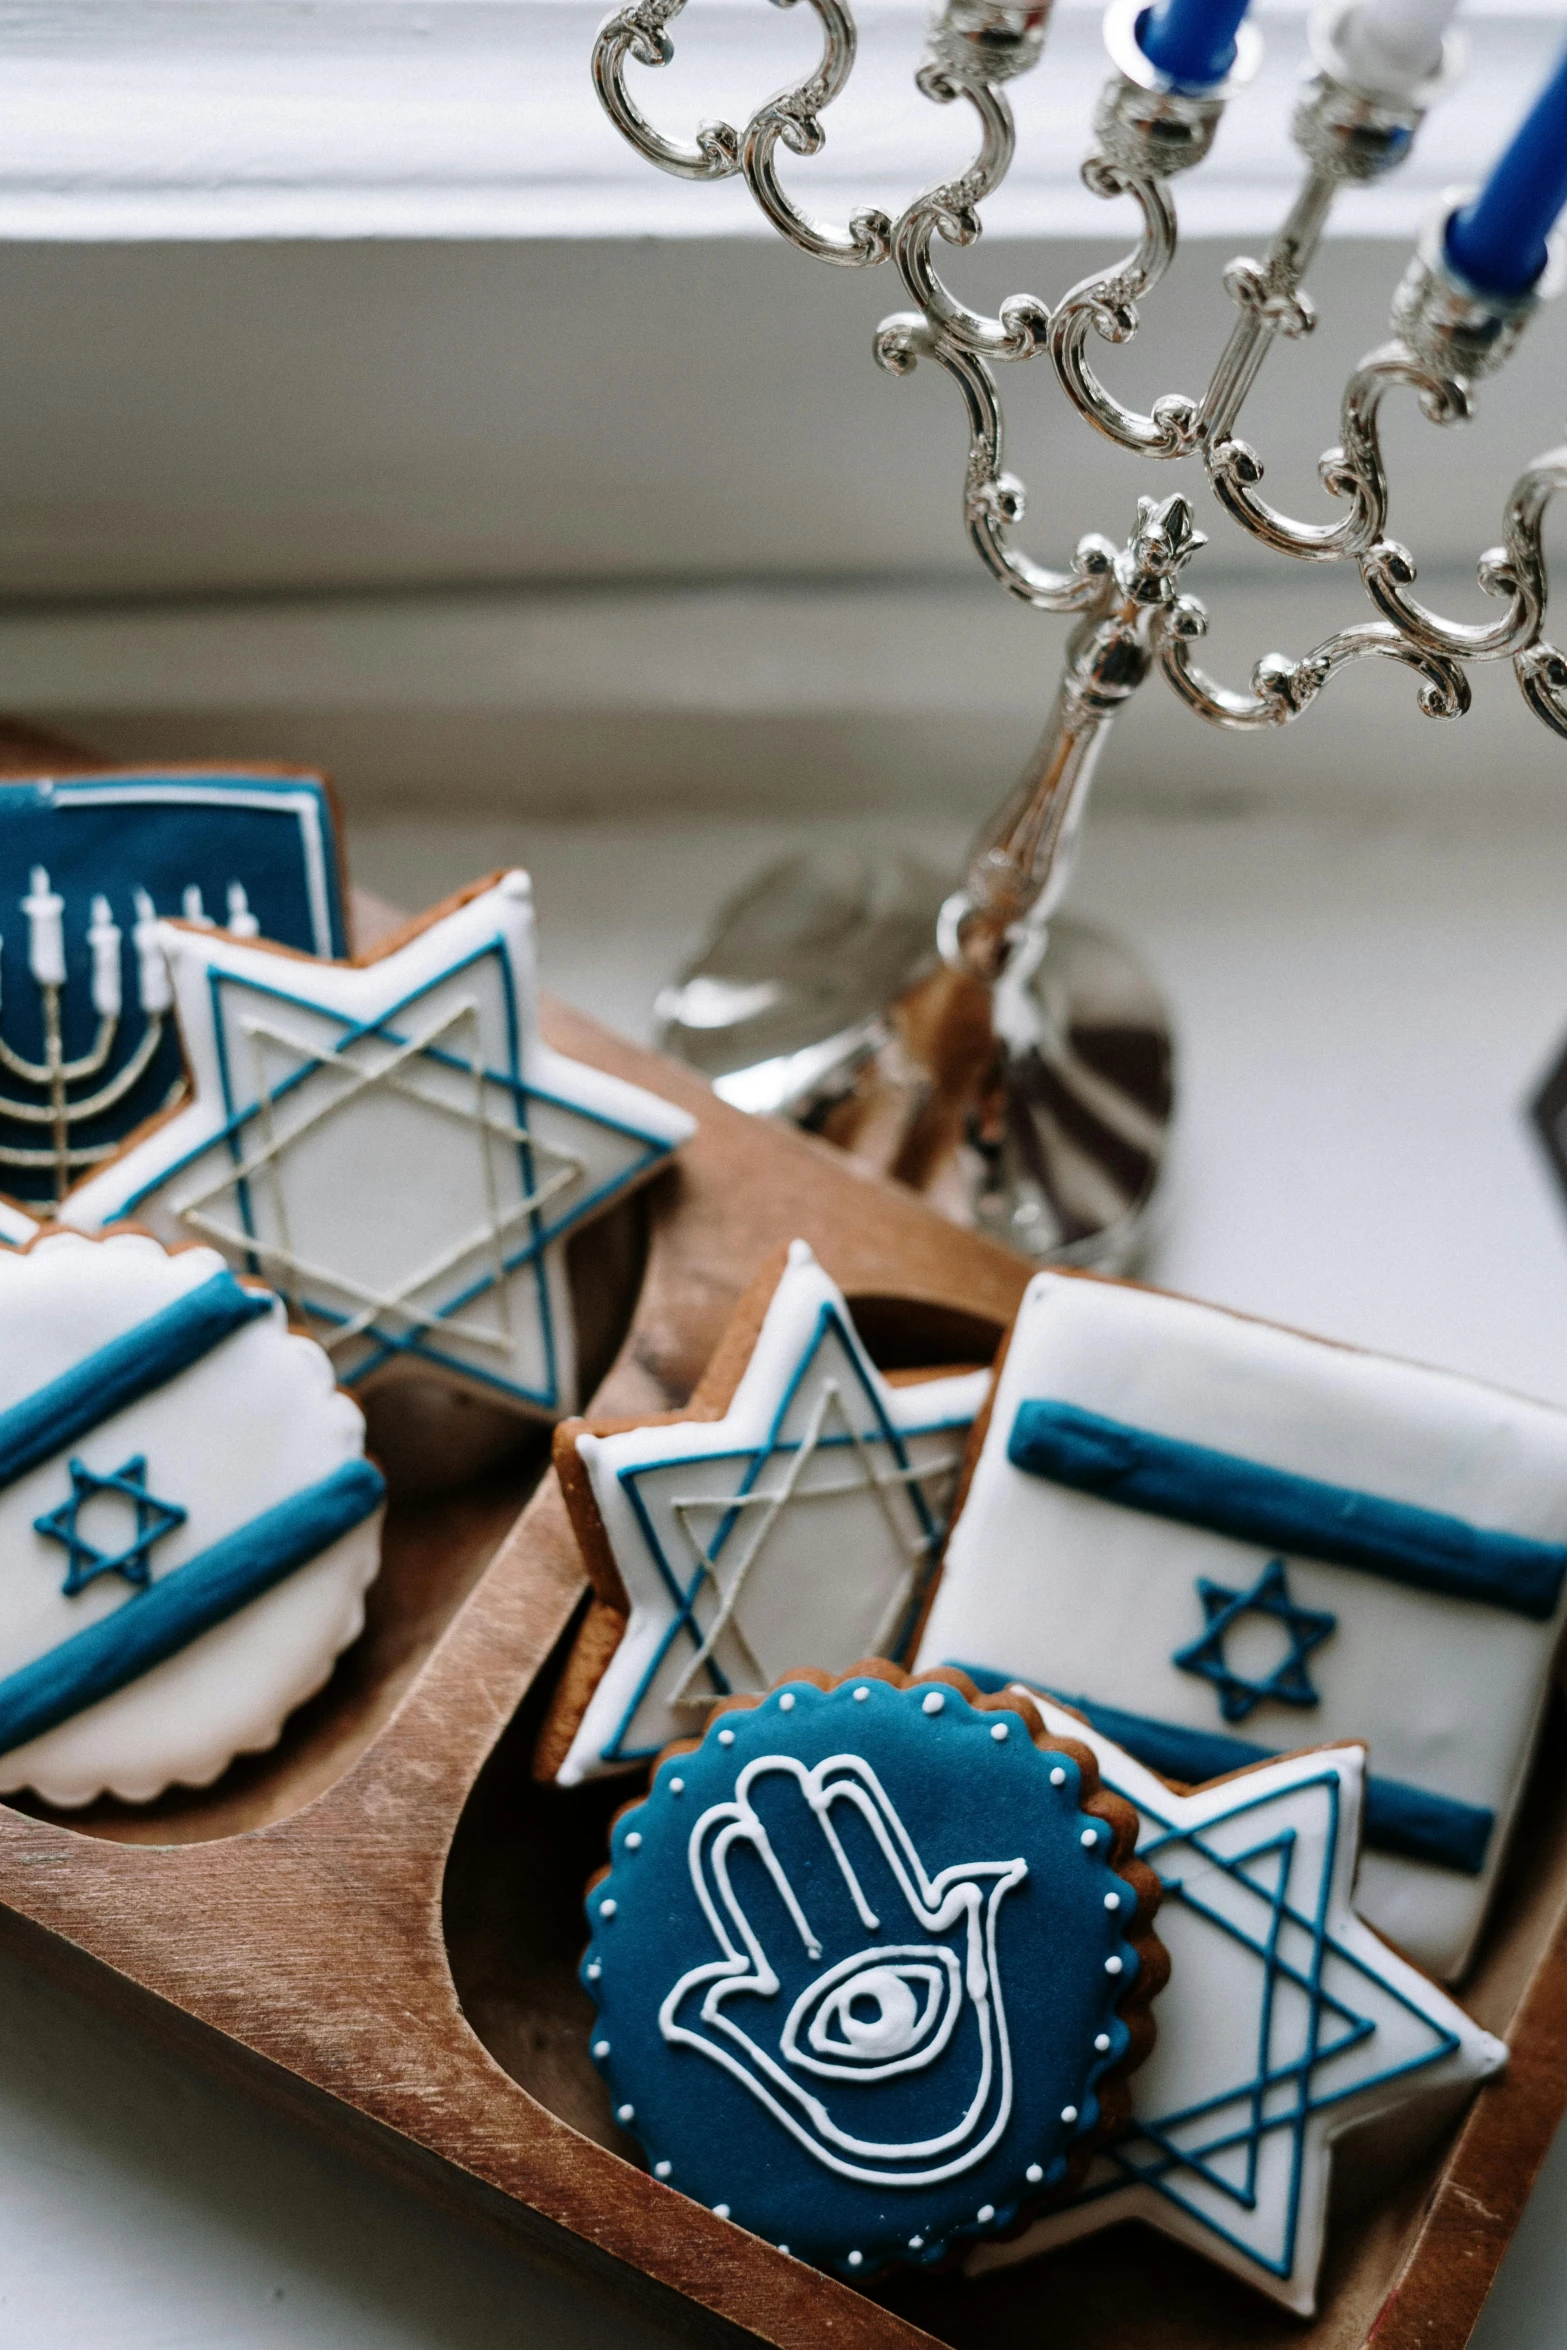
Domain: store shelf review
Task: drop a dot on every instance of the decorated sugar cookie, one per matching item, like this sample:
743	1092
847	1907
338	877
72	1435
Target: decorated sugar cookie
792	1517
391	1146
187	1520
1287	2023
87	1042
870	1963
1219	1540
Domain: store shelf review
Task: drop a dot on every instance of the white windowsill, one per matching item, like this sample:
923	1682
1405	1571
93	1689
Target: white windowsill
182	119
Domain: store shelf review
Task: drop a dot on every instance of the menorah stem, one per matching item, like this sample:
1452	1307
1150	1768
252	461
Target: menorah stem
59	1116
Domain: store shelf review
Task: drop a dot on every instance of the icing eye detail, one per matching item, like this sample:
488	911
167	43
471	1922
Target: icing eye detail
1090	1839
999	1732
880	2011
786	1702
1033	2174
726	1737
934	1703
1102	2043
1058	1777
985	2213
861	1694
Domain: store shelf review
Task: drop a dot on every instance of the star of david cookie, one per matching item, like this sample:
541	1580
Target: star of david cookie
791	1516
1289	2031
187	1520
89	864
1213	1538
390	1144
871	1963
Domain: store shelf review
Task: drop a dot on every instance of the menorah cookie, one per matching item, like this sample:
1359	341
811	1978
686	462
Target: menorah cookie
1218	1539
871	1963
88	1047
392	1146
187	1518
1290	2032
790	1517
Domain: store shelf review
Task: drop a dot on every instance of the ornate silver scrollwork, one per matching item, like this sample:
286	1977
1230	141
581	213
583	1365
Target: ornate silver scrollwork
1146	132
791	119
972	47
1282	689
993	499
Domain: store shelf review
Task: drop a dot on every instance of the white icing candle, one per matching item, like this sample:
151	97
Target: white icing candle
104	940
242	922
192	908
1391	45
44	909
152	976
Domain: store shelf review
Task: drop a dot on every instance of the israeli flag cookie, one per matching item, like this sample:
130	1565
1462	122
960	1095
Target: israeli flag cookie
792	1517
88	864
870	1965
392	1146
187	1519
1219	1540
1288	2027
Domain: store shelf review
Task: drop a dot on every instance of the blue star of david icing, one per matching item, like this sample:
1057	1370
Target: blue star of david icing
857	1964
151	1520
1288	1680
393	1147
1286	2022
84	995
182	1630
1141	1446
804	1522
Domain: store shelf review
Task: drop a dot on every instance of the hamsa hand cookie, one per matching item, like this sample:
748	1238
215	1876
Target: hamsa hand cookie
871	1963
1219	1540
792	1516
187	1519
392	1146
1289	2032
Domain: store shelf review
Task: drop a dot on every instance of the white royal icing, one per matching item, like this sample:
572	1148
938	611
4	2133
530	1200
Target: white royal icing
1095	1601
915	1990
795	1531
17	1228
393	1147
251	1424
1286	2025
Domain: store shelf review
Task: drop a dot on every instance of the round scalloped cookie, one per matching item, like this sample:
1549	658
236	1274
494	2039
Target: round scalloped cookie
188	1523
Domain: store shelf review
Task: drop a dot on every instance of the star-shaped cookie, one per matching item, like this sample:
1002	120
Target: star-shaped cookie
391	1146
790	1519
1286	2023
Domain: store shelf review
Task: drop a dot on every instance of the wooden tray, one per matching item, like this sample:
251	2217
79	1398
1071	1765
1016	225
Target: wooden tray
378	1924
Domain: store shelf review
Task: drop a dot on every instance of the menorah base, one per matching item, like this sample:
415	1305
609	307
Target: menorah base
817	997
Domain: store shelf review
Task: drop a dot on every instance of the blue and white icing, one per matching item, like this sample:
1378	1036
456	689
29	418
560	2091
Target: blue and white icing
92	863
857	1964
187	1519
801	1527
1393	1540
392	1147
1285	2024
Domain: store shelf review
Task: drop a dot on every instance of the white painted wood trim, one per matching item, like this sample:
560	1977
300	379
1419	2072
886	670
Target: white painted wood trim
139	119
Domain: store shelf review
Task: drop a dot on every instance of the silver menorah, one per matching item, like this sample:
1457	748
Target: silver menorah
1354	124
54	1098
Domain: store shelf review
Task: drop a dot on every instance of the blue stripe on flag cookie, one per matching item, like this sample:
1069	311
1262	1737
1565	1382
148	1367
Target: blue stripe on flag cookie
1278	1510
1436	1829
158	1622
123	1371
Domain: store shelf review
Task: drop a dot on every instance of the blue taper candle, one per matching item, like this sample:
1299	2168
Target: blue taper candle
1498	241
1193	41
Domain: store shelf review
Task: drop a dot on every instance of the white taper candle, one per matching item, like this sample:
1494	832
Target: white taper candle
1392	45
104	940
192	909
242	922
153	987
45	909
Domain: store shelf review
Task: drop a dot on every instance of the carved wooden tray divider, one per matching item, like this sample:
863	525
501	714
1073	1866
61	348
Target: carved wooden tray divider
378	1924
